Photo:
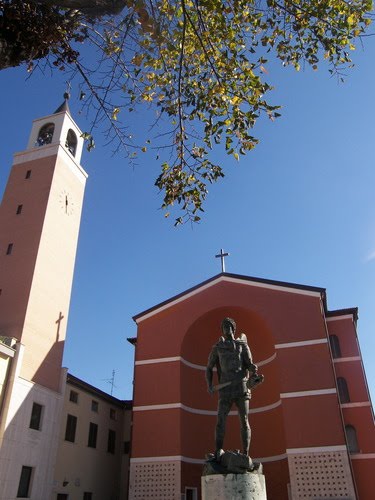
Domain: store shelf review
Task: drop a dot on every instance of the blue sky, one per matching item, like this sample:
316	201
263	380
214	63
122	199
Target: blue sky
300	208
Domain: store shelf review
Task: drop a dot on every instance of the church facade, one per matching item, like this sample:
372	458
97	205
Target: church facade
312	420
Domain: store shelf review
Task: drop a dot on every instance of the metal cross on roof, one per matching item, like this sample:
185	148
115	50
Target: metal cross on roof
222	256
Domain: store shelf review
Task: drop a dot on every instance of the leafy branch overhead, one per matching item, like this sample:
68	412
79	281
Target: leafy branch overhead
200	64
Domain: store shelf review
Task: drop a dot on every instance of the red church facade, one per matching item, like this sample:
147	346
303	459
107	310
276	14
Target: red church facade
312	420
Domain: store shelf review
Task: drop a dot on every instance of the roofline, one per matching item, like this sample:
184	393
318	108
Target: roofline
81	384
343	312
218	277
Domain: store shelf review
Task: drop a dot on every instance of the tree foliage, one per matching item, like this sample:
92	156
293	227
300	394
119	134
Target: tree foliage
199	63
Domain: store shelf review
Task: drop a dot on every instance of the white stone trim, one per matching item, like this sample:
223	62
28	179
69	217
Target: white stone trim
344	360
301	394
301	343
228	279
188	363
51	150
142	460
356	405
344	316
362	456
316	449
8	351
266	361
167	406
173	406
274	458
157	360
189	460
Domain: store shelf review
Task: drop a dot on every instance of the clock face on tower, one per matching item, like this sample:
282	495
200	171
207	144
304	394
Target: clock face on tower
66	202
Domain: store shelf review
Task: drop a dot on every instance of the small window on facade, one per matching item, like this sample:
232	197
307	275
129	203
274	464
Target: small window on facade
87	495
62	496
191	493
111	441
10	248
335	346
36	416
70	431
93	434
71	142
24	485
343	390
45	134
28	174
112	414
19	209
126	447
94	406
351	436
73	396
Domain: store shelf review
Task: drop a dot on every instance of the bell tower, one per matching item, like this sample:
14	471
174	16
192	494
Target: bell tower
39	224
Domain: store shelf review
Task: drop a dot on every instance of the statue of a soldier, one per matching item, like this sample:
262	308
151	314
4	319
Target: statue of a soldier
236	375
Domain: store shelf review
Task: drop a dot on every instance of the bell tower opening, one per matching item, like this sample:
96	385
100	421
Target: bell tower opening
45	134
71	142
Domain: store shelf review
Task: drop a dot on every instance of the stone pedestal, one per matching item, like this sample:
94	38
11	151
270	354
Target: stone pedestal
248	486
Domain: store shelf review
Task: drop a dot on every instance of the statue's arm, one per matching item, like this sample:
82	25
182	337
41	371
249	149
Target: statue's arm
248	361
212	360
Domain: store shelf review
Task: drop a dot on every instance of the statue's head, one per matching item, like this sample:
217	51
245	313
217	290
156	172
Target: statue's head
228	327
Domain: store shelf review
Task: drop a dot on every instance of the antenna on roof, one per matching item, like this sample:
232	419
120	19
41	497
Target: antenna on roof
111	381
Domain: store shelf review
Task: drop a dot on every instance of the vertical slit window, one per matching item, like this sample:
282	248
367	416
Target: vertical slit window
335	346
70	430
93	434
351	436
19	209
111	441
343	390
28	174
25	482
10	248
36	416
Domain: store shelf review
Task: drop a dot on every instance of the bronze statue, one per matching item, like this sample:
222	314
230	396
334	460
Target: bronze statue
237	374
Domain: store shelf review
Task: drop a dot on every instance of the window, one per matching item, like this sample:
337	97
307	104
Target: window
126	447
191	493
10	248
70	431
25	482
343	390
45	134
112	414
36	416
62	496
111	441
71	142
87	495
351	436
93	434
335	346
94	406
28	174
73	396
19	209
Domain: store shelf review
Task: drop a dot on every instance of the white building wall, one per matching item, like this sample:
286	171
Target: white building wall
22	446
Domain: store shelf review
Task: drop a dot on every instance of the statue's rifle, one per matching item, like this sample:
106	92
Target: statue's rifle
251	382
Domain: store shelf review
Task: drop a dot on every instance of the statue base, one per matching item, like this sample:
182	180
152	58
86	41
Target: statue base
245	486
231	475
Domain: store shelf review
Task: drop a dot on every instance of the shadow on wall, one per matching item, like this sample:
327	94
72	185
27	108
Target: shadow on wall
30	428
